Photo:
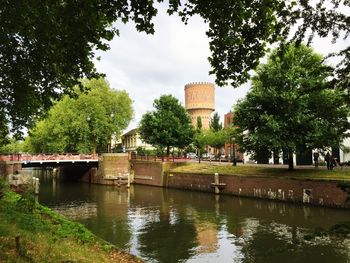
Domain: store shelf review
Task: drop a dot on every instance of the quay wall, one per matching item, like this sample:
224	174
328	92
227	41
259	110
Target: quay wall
151	172
313	192
113	169
9	167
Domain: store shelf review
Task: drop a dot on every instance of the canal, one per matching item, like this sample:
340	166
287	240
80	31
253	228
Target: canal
166	225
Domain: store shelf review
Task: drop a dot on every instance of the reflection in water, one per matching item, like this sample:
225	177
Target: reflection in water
163	225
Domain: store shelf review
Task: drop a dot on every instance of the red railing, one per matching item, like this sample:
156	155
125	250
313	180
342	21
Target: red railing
159	158
47	157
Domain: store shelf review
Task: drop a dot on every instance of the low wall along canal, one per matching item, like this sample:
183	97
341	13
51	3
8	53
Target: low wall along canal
314	192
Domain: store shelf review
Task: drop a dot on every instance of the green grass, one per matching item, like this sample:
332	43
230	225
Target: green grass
250	170
45	236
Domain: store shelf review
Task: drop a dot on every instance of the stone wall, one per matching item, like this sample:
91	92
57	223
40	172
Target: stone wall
151	172
323	193
112	165
315	192
113	169
11	167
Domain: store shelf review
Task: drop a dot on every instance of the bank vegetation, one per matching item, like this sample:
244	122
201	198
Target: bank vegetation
30	232
320	173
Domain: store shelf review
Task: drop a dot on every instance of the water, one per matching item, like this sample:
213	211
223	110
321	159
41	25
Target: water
164	225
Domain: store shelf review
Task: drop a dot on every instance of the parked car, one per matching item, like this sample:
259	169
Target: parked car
208	156
191	155
222	156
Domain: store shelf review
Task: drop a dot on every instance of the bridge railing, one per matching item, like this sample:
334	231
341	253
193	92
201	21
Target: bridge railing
159	158
47	157
10	157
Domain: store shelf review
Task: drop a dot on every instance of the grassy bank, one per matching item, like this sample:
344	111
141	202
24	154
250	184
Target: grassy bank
249	170
30	232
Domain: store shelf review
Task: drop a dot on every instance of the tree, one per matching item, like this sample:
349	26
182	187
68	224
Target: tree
217	139
13	146
215	124
47	46
200	139
199	123
168	125
84	124
291	106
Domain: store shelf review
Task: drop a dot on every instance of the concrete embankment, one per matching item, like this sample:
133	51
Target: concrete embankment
329	193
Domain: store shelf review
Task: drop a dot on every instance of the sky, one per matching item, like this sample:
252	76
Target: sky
148	66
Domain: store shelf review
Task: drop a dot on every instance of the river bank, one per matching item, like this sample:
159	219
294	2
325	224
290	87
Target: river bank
30	232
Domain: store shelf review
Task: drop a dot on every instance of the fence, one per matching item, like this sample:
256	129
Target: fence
159	158
47	157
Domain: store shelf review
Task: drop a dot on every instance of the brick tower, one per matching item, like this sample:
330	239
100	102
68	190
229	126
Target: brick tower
200	101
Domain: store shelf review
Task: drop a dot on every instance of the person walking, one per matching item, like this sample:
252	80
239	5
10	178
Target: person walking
331	162
327	159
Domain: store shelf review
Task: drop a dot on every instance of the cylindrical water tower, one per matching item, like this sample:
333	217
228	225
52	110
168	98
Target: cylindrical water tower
200	101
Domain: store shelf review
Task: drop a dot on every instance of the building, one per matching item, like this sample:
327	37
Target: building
200	102
131	141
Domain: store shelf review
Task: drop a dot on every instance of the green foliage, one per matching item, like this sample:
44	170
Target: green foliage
217	139
56	41
27	202
168	125
199	123
45	236
200	140
241	32
83	124
12	146
48	46
3	187
291	106
141	150
215	124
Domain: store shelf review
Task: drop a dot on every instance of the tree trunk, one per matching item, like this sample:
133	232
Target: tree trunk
167	150
290	160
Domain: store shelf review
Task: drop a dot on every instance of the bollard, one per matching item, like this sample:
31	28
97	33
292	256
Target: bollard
128	180
37	185
216	183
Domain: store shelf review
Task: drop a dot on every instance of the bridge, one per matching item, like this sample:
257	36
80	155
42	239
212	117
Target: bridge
107	168
28	160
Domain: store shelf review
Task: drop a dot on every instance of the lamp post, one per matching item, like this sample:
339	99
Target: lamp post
233	155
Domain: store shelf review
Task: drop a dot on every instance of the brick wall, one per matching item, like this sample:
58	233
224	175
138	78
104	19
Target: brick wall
151	172
324	193
111	167
11	167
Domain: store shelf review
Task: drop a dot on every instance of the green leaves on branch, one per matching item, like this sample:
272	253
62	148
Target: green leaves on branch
291	106
168	125
83	124
46	46
215	124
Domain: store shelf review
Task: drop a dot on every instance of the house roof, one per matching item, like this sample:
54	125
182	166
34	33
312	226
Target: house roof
133	131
